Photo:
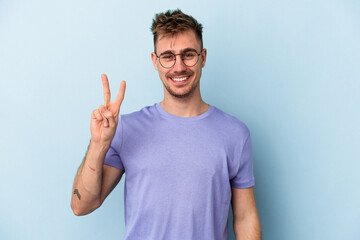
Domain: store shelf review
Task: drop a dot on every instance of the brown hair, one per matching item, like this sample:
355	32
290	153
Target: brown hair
172	22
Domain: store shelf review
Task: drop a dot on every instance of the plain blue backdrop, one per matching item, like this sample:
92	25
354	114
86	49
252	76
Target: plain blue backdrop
288	69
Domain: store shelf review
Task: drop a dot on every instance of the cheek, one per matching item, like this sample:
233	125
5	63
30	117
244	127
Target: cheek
198	71
162	74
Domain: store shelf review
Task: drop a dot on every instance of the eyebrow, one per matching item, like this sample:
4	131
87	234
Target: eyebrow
181	51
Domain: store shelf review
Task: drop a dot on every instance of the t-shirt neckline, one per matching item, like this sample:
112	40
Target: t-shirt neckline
185	119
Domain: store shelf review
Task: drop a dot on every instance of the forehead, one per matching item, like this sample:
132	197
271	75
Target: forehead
178	42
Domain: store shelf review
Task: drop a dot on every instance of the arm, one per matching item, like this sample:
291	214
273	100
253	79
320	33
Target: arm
246	218
94	181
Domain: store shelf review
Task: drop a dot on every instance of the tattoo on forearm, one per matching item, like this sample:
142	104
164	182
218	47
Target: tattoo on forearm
77	194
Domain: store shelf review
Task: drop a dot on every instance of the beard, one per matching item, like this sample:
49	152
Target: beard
184	95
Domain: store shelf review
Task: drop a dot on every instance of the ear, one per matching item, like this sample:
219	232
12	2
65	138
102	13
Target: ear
154	60
203	57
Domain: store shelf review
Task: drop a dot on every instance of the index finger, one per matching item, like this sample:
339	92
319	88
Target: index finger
107	95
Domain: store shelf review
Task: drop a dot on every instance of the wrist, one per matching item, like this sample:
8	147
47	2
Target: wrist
95	155
99	146
97	150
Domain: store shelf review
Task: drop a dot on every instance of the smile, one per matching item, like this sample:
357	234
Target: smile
179	79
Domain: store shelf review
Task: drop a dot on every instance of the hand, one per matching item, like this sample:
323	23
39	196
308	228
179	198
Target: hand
104	119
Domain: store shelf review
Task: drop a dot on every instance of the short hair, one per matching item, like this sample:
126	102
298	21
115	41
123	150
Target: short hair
172	22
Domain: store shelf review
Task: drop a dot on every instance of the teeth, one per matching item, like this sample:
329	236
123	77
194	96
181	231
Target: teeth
179	79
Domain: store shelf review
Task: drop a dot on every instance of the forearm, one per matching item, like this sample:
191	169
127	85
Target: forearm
247	229
88	181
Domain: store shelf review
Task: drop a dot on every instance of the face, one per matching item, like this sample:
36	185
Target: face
179	81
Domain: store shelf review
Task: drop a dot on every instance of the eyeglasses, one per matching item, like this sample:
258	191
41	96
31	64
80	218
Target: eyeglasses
189	58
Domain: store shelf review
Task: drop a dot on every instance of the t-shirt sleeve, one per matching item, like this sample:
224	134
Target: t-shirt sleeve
112	157
243	176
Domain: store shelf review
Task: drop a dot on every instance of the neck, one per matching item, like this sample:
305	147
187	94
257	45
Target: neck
184	107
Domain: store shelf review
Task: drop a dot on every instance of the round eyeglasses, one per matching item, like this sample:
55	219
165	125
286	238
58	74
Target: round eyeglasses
168	59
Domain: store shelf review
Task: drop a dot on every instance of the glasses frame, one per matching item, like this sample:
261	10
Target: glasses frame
182	58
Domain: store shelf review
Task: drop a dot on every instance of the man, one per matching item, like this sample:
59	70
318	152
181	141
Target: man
185	160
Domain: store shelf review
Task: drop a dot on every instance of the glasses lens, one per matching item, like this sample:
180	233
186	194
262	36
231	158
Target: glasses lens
167	60
190	58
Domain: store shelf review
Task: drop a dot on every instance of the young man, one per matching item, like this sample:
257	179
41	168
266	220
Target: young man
185	160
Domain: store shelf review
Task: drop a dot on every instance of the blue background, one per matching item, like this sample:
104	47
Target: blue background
288	69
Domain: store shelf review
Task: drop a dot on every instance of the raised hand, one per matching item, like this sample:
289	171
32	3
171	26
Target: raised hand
105	119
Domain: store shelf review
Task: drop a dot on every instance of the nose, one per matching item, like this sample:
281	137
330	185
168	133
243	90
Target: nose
179	65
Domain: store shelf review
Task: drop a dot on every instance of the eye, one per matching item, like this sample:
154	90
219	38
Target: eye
189	55
167	57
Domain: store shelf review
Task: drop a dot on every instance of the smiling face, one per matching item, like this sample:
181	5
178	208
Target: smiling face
179	81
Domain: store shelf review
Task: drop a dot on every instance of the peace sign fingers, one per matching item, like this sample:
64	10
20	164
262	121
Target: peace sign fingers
114	106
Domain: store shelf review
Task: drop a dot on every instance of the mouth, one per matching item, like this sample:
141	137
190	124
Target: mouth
180	80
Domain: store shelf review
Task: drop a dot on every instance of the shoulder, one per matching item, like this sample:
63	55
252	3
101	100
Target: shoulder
146	113
230	123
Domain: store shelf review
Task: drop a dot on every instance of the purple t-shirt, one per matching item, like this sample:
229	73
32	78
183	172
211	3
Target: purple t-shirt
179	172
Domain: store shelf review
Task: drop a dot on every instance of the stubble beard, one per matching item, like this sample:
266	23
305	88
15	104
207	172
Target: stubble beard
188	93
185	95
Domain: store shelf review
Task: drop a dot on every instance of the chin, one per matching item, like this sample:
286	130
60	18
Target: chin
182	93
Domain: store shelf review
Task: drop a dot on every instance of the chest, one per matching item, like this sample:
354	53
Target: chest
194	153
